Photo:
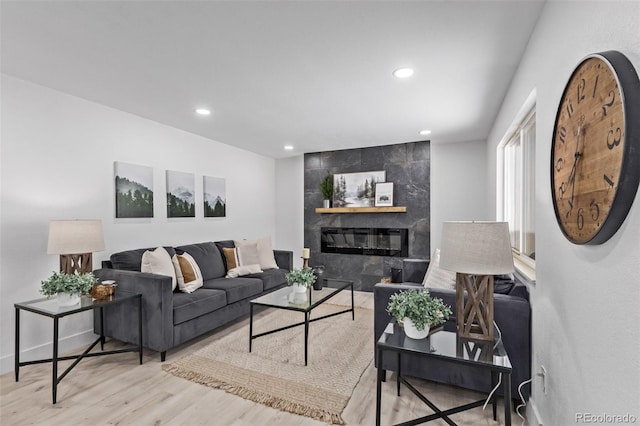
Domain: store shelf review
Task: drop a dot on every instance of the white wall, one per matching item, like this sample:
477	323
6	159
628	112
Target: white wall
586	321
290	206
57	156
458	184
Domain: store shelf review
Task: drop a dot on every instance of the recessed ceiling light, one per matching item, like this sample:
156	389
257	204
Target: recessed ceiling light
403	72
203	111
288	147
425	132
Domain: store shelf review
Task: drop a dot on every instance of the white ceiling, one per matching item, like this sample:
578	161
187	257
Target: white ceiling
312	74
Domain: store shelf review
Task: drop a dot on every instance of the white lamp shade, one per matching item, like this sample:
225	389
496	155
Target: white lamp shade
479	248
75	236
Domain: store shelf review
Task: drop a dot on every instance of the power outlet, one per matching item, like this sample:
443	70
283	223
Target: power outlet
543	376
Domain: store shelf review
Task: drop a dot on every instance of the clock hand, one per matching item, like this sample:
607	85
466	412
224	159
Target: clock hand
572	175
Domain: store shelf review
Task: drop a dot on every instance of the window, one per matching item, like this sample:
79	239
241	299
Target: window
516	187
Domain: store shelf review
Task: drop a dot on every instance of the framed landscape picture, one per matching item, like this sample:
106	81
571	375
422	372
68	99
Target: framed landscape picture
384	194
133	190
215	199
181	194
356	189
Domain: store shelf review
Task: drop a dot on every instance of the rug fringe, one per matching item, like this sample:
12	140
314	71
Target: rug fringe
259	397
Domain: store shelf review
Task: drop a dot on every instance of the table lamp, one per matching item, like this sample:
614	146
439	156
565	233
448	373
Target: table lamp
476	251
75	241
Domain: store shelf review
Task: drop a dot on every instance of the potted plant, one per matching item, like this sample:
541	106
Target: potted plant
326	188
68	287
300	279
417	311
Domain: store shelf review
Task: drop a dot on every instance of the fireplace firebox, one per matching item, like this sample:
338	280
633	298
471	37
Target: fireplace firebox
366	241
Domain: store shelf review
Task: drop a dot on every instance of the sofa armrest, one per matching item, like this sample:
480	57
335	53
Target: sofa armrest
284	259
157	309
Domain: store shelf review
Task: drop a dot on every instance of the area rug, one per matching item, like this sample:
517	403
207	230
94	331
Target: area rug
274	373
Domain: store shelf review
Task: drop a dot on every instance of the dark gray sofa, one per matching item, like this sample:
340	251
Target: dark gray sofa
171	318
512	313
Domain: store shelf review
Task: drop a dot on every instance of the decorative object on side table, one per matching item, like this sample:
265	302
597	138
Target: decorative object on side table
319	271
476	251
306	254
417	311
75	241
326	188
300	280
103	290
68	287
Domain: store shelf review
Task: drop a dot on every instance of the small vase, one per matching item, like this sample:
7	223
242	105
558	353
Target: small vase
297	288
326	203
66	299
412	332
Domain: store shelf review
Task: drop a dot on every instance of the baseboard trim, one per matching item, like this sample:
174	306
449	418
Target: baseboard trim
66	344
533	416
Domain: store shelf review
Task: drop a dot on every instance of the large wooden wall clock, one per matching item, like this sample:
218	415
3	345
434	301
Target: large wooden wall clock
595	153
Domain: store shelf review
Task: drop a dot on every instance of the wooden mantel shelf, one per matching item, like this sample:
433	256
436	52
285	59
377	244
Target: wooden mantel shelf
396	209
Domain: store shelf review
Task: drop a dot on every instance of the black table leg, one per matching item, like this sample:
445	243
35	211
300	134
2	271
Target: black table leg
102	328
399	373
306	335
381	374
250	325
494	400
17	348
54	360
139	328
353	311
507	399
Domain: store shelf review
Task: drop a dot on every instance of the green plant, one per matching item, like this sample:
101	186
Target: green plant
419	307
304	277
326	186
60	282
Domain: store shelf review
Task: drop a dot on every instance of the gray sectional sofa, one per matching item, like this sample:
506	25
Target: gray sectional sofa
512	313
170	317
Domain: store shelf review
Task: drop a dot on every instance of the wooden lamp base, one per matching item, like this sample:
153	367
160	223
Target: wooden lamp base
76	263
474	317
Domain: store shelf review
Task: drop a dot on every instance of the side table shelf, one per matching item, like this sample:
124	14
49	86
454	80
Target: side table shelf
49	308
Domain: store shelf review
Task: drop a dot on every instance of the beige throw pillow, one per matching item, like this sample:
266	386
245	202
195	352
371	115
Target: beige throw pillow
264	252
247	254
437	277
188	273
159	262
243	270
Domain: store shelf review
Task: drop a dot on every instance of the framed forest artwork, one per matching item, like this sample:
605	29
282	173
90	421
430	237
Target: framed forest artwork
133	190
215	199
356	189
181	194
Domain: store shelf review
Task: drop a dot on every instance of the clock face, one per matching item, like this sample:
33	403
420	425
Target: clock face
589	150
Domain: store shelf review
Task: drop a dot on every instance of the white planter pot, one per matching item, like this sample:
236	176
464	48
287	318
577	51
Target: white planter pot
412	332
66	299
297	288
326	203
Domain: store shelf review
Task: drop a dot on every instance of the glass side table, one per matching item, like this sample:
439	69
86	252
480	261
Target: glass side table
446	346
50	308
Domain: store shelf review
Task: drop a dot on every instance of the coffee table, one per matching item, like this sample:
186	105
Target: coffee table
284	299
446	346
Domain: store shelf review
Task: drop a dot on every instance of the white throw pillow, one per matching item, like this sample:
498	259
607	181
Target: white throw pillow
188	273
437	277
243	270
264	249
159	262
247	254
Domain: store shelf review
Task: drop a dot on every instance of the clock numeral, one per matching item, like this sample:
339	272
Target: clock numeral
580	218
562	134
581	86
562	189
559	164
594	208
614	137
608	180
570	109
608	104
595	86
570	202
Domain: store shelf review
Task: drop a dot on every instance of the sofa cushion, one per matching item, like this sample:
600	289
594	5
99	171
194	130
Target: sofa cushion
236	288
187	272
247	254
230	257
436	277
187	306
208	258
159	262
131	260
264	249
243	270
271	278
222	245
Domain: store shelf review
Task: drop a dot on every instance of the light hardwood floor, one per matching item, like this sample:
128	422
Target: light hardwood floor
117	390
